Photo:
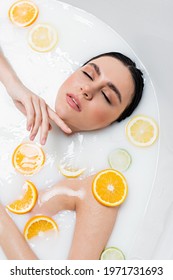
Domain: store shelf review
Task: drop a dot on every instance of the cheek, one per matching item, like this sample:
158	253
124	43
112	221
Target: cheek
99	115
71	82
103	115
65	88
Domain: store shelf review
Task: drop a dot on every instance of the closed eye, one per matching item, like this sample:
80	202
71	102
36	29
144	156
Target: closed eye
105	96
86	74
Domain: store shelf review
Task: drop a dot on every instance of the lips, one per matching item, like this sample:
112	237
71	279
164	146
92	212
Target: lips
73	102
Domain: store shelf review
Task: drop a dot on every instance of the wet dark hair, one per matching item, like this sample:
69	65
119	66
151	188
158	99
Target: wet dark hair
138	80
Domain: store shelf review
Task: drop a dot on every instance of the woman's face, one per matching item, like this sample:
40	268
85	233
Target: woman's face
95	95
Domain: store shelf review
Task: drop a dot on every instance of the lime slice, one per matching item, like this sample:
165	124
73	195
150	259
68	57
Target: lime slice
112	253
119	159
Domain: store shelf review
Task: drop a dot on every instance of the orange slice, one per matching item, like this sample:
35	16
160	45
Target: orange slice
27	202
39	224
42	37
28	158
23	13
110	187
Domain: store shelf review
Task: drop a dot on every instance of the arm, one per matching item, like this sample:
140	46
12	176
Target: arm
94	222
94	225
38	113
61	196
12	241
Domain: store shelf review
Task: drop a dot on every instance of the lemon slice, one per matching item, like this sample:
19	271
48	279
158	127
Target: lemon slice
112	253
70	172
119	159
142	131
43	37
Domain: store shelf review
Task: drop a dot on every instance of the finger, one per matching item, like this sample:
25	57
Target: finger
54	117
45	123
29	113
20	107
38	118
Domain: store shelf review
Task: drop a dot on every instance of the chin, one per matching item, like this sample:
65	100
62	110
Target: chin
61	112
73	127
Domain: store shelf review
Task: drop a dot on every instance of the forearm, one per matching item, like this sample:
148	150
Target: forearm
8	76
57	198
12	241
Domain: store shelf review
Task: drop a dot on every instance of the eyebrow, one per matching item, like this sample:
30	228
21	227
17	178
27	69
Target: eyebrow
110	85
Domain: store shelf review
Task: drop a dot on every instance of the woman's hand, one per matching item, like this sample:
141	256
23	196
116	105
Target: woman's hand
37	112
35	109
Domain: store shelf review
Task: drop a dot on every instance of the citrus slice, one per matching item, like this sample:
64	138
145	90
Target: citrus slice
70	172
43	37
112	253
119	159
28	158
39	224
27	202
23	13
142	131
110	187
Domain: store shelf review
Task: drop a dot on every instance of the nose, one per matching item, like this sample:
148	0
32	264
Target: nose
87	92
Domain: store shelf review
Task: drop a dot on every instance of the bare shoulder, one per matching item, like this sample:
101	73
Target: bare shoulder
94	221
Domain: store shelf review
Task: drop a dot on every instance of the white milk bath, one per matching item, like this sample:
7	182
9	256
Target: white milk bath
81	36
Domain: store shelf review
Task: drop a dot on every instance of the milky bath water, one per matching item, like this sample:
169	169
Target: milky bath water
81	36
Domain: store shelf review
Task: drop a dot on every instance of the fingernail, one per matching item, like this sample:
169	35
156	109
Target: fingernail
32	137
29	127
43	141
69	130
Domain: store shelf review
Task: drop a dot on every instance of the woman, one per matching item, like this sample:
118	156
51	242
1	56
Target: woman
105	89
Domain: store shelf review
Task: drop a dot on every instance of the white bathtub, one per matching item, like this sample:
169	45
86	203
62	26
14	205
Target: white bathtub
147	28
